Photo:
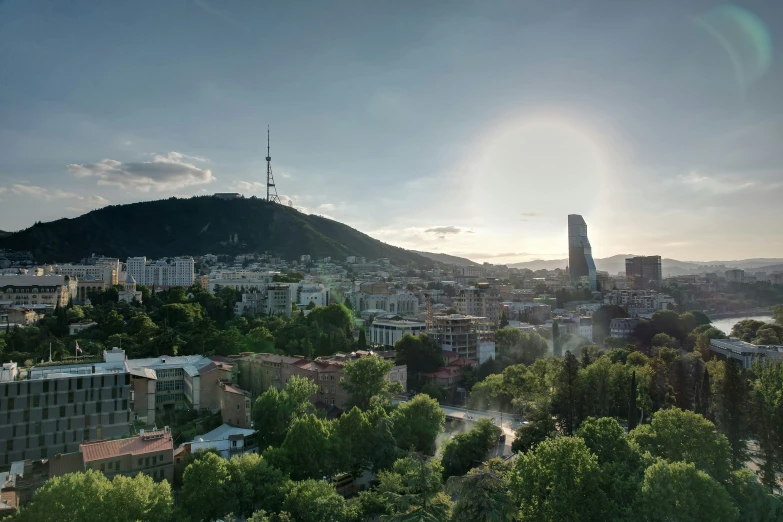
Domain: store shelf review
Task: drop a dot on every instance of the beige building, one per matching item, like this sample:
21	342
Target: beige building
470	337
235	405
89	285
481	300
51	290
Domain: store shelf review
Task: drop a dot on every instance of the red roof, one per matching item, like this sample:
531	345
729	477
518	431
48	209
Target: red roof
134	446
463	362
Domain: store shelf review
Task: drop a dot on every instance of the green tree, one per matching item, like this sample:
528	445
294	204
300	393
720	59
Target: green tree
260	340
535	431
91	497
632	410
464	450
362	342
254	484
417	423
679	491
315	501
419	353
482	496
558	477
755	503
766	399
414	487
365	379
305	432
207	474
274	411
732	410
678	435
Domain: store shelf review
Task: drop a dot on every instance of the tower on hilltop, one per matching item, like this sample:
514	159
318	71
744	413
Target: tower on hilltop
271	190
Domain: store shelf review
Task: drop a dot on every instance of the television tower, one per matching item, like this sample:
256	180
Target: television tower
271	190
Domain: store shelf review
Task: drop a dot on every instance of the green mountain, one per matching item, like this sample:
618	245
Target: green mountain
447	258
200	225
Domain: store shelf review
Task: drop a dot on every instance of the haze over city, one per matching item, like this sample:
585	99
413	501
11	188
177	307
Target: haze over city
468	128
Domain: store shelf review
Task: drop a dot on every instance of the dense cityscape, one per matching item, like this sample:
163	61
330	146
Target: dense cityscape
512	261
262	388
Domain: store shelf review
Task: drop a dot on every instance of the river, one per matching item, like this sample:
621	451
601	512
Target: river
725	325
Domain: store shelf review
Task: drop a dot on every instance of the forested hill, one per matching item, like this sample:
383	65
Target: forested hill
200	225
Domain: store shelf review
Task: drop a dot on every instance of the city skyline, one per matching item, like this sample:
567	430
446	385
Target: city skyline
460	128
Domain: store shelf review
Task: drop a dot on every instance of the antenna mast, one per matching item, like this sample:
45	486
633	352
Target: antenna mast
271	190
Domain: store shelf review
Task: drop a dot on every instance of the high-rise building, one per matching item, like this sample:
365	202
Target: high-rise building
644	271
580	253
162	274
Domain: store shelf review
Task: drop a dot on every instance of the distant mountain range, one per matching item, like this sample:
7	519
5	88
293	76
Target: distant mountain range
448	259
201	225
670	267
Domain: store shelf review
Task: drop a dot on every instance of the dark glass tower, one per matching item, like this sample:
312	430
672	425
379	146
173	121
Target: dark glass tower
580	254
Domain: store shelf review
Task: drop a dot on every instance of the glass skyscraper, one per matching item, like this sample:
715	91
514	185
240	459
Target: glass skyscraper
580	254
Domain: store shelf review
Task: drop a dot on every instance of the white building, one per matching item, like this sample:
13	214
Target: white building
160	273
37	291
226	440
272	299
387	332
305	293
403	303
104	269
639	302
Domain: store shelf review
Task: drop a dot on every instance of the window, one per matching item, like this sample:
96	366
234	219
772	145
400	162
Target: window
26	416
86	434
237	406
41	441
36	401
117	465
103	466
45	413
11	403
79	384
140	462
147	462
62	410
70	396
111	464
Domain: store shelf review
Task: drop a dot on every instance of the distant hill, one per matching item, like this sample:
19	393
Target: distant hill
447	259
670	267
3	233
200	225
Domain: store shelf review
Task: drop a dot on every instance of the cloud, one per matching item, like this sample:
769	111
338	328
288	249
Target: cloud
442	231
250	186
98	201
532	214
325	207
42	193
715	185
3	190
162	173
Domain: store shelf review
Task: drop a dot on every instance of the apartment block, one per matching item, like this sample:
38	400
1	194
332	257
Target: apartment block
162	274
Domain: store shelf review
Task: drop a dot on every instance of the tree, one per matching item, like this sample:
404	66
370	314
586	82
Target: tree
305	432
273	411
703	394
482	496
754	502
419	353
254	484
534	432
568	392
417	423
209	473
559	476
732	411
365	379
679	491
766	399
315	501
362	342
413	486
464	450
632	411
260	340
504	319
556	347
678	435
91	497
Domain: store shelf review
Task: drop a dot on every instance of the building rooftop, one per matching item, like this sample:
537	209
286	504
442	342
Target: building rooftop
223	432
149	442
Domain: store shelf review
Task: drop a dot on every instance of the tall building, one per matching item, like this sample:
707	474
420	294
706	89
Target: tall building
580	253
644	271
481	300
735	275
162	274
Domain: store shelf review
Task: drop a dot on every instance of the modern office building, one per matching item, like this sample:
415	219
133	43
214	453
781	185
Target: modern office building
387	332
644	271
580	253
53	409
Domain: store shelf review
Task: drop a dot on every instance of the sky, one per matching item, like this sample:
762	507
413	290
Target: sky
464	127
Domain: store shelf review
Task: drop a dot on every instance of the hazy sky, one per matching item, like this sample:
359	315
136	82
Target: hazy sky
470	128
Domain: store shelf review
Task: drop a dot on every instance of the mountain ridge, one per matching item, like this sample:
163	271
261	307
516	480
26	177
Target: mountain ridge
200	225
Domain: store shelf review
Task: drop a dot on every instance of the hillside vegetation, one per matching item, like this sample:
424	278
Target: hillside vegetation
200	225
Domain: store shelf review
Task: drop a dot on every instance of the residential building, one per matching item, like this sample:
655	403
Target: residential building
580	253
735	275
640	302
401	303
529	311
644	271
51	291
227	440
387	332
624	327
481	300
465	335
161	274
747	354
18	315
104	269
52	409
235	406
150	453
586	328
